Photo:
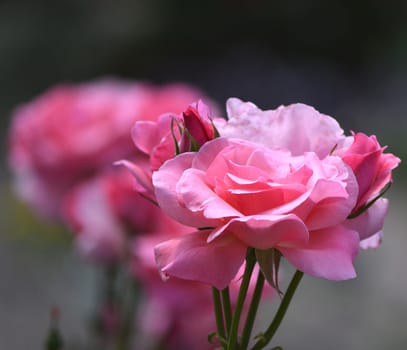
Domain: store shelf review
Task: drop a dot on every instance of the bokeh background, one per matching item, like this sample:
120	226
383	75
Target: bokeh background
346	58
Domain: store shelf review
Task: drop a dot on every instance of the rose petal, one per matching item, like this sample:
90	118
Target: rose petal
165	183
141	174
331	210
329	253
264	232
191	257
280	128
371	221
145	135
208	152
372	242
200	199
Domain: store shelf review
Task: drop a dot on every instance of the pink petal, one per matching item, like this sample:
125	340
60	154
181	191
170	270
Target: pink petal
162	152
371	221
332	204
208	152
145	135
279	128
265	231
142	175
329	253
191	257
165	182
200	199
236	107
319	132
333	195
372	242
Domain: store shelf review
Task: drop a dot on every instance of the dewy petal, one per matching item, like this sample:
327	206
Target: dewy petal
371	221
165	182
329	253
265	232
191	257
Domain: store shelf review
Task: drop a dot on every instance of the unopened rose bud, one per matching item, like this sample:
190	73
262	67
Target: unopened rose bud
198	127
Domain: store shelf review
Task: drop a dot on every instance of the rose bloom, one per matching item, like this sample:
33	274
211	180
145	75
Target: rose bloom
286	179
73	131
323	135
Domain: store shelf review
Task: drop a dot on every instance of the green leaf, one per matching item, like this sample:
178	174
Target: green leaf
194	146
269	262
173	121
260	336
211	335
212	340
361	210
216	131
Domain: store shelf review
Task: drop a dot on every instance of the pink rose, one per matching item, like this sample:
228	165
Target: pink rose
300	128
71	132
292	189
101	218
247	195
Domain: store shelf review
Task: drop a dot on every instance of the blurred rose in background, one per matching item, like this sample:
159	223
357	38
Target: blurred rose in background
72	132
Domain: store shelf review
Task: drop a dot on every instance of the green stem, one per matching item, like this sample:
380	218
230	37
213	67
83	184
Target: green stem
250	262
218	312
271	330
254	305
227	309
